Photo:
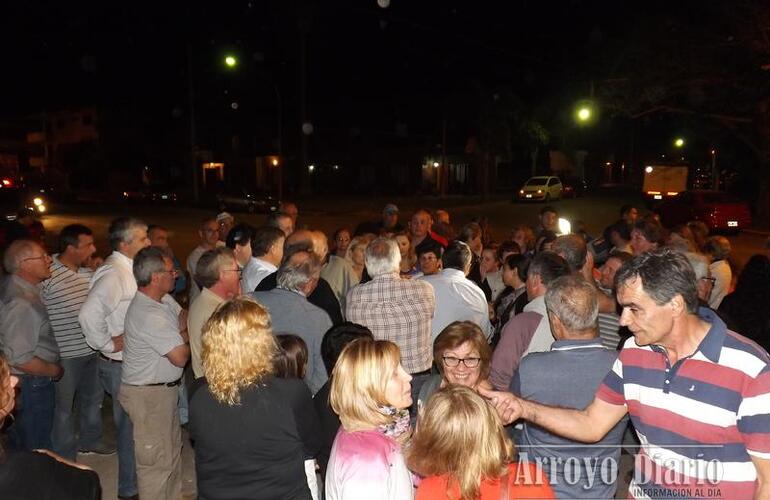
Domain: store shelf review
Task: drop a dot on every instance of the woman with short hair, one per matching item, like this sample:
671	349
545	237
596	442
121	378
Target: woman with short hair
371	393
463	452
463	356
252	430
408	266
356	255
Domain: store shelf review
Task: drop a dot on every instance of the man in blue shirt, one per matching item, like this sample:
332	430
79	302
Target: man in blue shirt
568	376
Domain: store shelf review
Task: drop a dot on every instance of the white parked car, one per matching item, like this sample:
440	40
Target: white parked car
544	187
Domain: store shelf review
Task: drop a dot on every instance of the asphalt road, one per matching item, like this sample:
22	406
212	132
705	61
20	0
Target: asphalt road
328	214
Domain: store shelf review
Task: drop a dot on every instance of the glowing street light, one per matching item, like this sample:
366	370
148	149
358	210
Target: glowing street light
231	61
679	142
584	114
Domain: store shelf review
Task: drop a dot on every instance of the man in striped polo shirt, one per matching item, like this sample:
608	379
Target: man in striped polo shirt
63	294
697	393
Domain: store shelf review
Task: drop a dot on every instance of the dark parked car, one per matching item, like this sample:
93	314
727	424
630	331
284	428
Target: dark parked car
156	193
242	199
14	201
720	211
574	187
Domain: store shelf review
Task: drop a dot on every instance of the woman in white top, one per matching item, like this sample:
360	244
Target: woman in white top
371	393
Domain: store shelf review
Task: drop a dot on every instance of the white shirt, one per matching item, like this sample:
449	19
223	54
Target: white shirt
152	331
457	299
112	288
542	338
495	282
720	270
254	272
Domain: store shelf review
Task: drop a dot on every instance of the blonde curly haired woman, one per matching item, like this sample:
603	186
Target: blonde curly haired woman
371	393
463	452
252	431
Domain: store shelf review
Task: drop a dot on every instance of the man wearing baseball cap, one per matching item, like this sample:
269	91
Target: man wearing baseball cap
388	224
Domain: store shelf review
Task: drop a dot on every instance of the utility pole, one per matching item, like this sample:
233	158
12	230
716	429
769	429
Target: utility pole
304	28
191	112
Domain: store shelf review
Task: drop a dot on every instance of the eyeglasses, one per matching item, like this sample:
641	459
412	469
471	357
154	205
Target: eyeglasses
239	271
451	361
710	279
44	256
174	272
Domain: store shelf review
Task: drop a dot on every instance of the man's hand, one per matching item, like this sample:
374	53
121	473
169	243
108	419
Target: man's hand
62	459
57	372
118	343
183	319
93	262
508	406
183	326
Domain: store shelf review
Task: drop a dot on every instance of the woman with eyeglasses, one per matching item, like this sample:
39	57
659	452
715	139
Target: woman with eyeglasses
463	357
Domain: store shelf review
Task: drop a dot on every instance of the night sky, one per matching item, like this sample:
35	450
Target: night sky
385	74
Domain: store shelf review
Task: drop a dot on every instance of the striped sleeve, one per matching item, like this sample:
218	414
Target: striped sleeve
754	416
611	390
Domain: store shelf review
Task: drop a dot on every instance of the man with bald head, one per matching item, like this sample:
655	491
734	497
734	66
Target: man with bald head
28	342
322	295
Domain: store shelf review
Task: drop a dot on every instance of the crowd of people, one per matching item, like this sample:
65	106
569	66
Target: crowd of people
390	361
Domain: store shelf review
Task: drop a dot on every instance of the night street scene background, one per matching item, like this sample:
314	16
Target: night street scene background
169	110
365	97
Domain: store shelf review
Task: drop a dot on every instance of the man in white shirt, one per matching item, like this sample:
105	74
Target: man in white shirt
209	235
155	353
457	297
102	317
267	253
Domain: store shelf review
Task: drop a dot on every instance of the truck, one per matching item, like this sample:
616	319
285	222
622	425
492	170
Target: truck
664	181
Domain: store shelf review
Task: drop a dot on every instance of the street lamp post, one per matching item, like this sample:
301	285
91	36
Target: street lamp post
231	62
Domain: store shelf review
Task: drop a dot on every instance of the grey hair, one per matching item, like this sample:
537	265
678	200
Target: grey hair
148	261
573	249
294	274
16	253
121	230
718	247
700	264
382	257
573	300
664	275
211	264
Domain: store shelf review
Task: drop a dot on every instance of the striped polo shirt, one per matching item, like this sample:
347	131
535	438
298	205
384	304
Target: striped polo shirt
63	295
699	421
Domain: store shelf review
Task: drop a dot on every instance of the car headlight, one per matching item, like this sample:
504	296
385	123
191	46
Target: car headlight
37	201
539	191
521	191
41	208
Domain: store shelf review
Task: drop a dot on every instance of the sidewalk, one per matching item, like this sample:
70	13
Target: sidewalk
107	466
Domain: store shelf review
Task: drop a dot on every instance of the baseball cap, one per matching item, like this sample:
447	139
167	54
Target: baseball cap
390	209
224	216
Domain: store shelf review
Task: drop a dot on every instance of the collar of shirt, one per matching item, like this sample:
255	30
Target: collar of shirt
572	344
262	264
453	274
711	345
387	276
537	305
286	290
26	286
122	259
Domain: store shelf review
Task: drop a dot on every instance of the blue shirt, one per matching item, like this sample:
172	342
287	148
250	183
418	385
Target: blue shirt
568	376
